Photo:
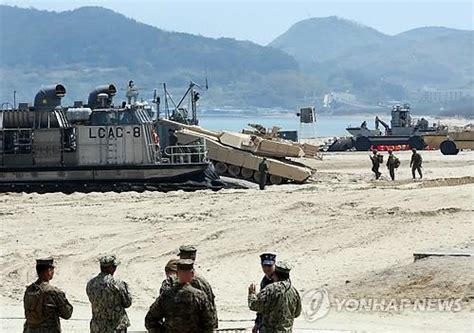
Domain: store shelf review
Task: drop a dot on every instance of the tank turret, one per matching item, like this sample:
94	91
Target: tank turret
49	97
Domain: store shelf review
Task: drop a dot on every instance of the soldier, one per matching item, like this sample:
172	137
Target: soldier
376	159
267	261
392	163
43	303
263	170
415	163
182	308
171	269
199	282
279	302
109	297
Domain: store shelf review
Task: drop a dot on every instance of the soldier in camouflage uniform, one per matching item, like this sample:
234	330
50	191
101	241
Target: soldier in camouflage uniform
199	282
43	303
263	173
182	308
171	269
279	303
109	297
415	164
392	163
376	159
267	261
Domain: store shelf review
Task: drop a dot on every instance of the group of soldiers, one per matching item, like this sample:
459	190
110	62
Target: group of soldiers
393	163
185	304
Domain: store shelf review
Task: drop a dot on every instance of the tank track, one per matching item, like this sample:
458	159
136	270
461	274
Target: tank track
254	178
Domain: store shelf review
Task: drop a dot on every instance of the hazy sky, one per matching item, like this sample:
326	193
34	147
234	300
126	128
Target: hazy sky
262	21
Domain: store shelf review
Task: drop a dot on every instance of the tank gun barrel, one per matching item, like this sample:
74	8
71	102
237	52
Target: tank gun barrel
194	128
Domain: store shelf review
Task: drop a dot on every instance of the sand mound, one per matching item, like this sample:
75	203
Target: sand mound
448	182
429	278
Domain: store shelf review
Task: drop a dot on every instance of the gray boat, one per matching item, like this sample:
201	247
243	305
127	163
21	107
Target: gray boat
401	131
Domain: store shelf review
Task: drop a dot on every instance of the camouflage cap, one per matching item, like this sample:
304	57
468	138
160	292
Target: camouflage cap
45	262
187	249
185	265
109	260
283	266
172	265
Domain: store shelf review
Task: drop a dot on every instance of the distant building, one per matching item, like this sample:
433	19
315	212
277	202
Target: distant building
445	95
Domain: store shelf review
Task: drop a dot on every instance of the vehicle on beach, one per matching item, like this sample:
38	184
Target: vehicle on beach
94	147
452	142
402	131
237	155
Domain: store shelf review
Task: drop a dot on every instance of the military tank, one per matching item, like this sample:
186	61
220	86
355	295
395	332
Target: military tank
453	141
289	137
401	131
94	147
238	155
232	154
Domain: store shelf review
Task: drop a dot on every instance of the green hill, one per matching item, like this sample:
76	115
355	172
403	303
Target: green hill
89	46
353	57
93	45
321	39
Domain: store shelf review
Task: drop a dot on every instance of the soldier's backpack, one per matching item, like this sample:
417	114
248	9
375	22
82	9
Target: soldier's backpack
380	157
33	303
396	163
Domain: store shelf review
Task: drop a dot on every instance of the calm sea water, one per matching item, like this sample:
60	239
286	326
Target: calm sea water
324	126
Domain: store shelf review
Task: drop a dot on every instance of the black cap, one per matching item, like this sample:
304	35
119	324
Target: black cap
45	262
267	259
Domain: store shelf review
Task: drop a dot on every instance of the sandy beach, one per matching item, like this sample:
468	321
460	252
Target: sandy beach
343	231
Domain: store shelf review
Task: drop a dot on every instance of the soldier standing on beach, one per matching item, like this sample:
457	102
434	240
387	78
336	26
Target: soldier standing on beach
267	261
43	303
182	308
392	163
198	281
415	163
171	269
376	159
263	170
109	297
279	302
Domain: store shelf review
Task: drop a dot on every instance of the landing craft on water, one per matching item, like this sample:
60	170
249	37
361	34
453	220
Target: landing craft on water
94	147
